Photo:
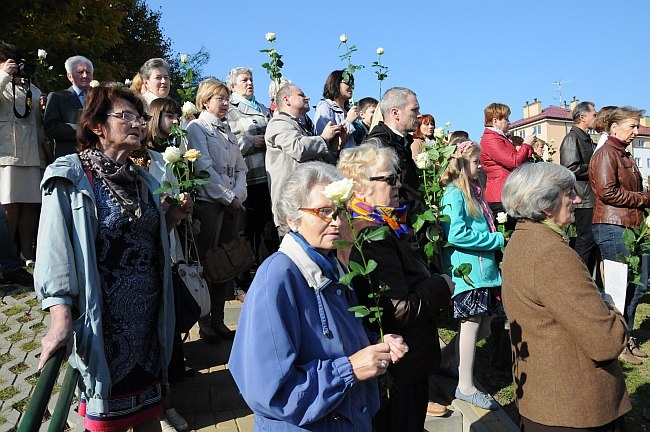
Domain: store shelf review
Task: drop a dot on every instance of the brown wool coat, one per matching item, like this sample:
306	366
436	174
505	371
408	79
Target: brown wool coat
565	339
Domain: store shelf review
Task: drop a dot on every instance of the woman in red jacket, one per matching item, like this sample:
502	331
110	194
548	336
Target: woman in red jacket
499	157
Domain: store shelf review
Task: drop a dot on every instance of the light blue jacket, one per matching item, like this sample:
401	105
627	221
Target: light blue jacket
290	354
328	111
470	242
66	272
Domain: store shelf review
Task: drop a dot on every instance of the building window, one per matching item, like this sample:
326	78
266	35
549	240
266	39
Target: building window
537	130
638	161
647	161
522	133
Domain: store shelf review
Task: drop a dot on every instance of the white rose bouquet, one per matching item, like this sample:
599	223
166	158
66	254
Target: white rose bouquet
182	166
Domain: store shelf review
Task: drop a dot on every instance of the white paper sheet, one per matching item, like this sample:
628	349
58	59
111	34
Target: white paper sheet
615	283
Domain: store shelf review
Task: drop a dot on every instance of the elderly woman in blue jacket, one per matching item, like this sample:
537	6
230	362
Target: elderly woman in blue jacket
301	360
473	239
103	266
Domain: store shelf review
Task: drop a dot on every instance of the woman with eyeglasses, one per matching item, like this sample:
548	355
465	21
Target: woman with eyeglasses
301	359
414	296
103	266
219	203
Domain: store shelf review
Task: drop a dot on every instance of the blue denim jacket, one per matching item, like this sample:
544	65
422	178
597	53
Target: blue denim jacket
66	272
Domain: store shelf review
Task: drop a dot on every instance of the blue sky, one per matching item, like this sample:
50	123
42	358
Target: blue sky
458	56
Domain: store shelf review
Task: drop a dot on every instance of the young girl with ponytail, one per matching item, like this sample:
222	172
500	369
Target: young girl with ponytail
473	239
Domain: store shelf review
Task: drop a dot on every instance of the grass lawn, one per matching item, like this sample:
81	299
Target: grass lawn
637	378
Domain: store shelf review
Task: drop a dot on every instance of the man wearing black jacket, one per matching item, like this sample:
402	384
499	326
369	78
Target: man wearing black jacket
401	111
575	153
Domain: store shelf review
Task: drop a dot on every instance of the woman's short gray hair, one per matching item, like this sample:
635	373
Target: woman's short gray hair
534	188
231	78
298	185
151	64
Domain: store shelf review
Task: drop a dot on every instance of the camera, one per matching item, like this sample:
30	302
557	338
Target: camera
26	69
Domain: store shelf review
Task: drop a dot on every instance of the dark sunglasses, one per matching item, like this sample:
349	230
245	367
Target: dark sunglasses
391	179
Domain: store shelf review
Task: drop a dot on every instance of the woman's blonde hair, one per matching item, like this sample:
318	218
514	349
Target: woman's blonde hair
208	88
457	173
362	162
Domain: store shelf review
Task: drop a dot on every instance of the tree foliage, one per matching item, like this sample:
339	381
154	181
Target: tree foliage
117	36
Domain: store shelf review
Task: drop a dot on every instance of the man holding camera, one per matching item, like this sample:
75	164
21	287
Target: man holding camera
63	108
21	152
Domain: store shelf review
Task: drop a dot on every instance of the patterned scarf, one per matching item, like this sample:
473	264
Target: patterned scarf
394	217
487	213
123	183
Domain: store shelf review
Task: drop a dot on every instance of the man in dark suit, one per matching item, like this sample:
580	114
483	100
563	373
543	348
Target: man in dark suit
64	107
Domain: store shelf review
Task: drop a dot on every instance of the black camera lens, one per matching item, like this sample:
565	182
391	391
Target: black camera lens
25	69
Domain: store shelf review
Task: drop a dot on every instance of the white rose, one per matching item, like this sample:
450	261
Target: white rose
42	53
94	83
270	36
448	124
189	109
128	82
343	38
502	217
423	161
340	191
380	50
172	154
647	221
439	132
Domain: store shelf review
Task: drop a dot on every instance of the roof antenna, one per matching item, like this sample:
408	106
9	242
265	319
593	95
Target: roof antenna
558	84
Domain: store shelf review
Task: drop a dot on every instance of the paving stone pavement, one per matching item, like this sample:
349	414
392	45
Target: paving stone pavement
209	400
22	326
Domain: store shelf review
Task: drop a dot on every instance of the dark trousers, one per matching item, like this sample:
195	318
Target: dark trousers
218	226
405	410
585	245
259	226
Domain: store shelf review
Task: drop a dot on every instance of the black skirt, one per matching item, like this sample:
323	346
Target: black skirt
478	302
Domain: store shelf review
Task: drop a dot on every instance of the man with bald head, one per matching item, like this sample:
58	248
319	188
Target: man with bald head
289	142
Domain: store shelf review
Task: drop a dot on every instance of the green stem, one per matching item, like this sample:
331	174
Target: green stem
358	245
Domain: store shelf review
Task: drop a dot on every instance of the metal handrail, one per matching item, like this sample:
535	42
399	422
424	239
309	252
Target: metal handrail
35	411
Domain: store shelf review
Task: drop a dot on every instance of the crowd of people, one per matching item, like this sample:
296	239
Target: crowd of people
90	163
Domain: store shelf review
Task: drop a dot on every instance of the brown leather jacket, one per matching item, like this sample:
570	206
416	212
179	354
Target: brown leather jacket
618	188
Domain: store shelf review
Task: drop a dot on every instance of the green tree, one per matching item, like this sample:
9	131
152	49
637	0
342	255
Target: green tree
117	36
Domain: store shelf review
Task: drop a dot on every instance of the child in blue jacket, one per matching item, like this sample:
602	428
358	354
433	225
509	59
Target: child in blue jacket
473	239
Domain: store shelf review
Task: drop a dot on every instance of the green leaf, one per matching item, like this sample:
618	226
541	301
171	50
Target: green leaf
356	267
359	311
346	279
371	266
339	244
378	234
428	250
629	237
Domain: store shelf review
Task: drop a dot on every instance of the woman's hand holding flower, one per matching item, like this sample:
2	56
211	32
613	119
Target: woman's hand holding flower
371	361
353	114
